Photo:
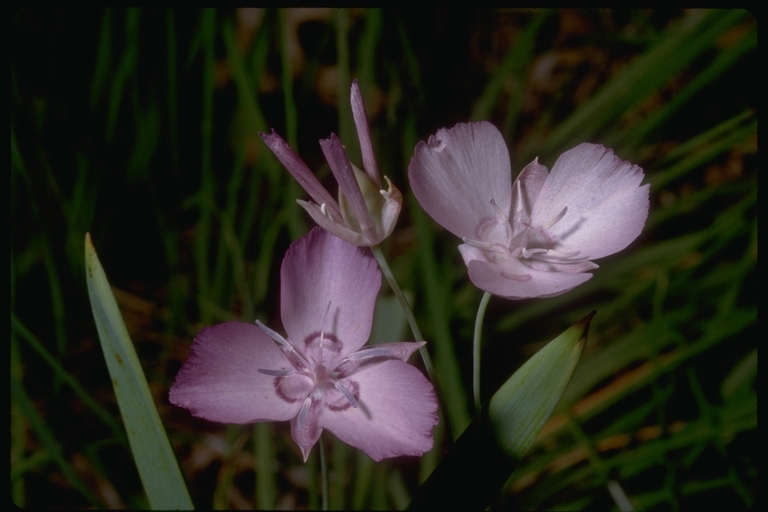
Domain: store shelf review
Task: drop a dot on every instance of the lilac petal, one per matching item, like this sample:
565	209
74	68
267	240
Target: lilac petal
395	413
342	170
340	230
320	268
220	380
469	253
301	172
513	280
457	173
527	186
364	134
607	207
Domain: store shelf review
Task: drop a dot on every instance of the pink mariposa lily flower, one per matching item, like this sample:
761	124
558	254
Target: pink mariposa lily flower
319	376
538	236
366	214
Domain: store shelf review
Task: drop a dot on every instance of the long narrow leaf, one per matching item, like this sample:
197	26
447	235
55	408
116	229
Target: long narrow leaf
158	469
487	453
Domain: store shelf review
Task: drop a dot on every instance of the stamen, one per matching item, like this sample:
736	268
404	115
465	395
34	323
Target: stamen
277	373
519	191
370	352
553	255
517	277
324	211
555	220
322	329
499	212
344	391
275	336
303	412
486	246
528	253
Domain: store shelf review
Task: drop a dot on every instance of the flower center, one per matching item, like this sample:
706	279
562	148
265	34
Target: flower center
312	376
513	236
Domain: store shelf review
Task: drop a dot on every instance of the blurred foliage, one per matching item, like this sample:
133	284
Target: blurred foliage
141	126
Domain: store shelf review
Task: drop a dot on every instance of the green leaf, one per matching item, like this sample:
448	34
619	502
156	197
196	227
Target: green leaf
487	453
155	460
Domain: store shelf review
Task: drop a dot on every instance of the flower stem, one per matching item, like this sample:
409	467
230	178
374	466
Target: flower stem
476	350
384	266
323	473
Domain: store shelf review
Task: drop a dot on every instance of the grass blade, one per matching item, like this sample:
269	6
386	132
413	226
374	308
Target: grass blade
158	469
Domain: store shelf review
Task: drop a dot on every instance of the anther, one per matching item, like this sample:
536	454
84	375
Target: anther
344	391
275	336
277	373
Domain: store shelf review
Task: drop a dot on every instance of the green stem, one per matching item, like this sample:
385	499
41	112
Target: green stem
476	350
384	266
323	473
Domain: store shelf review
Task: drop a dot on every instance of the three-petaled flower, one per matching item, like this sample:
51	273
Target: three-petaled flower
365	214
536	237
319	376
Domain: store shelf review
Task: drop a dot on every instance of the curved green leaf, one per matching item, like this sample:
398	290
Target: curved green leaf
487	453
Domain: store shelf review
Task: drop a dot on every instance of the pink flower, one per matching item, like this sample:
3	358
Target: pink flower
365	214
319	376
536	237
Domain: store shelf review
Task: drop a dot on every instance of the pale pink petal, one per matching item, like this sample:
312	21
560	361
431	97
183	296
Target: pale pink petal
457	173
395	415
513	280
319	269
301	172
364	134
469	253
340	230
342	170
607	207
220	380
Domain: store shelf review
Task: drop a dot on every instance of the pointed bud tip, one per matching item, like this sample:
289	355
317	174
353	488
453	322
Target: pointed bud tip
584	324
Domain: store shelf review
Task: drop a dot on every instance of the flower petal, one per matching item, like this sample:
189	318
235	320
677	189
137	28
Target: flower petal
513	280
395	415
319	269
220	380
301	172
607	207
342	170
364	134
457	173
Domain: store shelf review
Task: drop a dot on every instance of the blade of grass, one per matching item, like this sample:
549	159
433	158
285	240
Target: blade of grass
48	440
207	34
18	328
153	455
674	50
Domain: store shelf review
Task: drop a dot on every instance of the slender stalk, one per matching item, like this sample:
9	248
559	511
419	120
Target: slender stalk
476	350
266	479
323	473
384	266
